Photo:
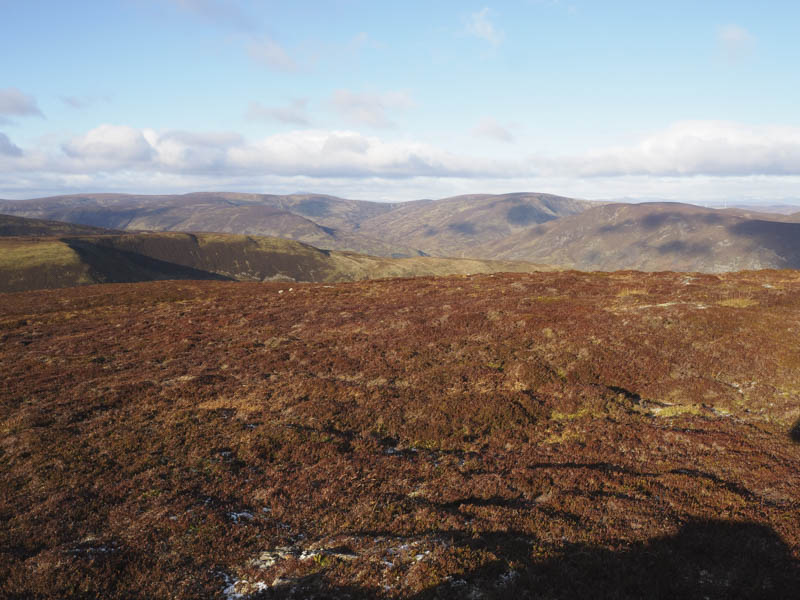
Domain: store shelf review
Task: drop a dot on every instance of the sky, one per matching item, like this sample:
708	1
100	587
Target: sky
681	100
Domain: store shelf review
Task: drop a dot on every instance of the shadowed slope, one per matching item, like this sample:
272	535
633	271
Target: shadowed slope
20	226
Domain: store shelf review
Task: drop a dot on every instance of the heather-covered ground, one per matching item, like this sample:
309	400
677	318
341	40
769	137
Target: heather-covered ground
547	435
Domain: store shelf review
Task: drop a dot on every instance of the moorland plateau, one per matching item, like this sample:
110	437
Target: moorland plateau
531	435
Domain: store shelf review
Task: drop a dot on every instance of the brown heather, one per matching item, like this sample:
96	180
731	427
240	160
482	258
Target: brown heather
548	435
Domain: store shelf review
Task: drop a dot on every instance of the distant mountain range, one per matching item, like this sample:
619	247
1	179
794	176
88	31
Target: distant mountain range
534	227
449	227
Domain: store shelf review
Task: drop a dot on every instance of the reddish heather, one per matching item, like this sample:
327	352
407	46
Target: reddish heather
548	435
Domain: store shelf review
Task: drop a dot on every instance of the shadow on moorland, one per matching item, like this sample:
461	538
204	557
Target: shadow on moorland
465	228
794	432
684	248
113	265
524	214
654	220
712	559
782	238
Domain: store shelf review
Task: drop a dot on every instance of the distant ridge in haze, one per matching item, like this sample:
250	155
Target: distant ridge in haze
448	227
539	228
658	236
221	212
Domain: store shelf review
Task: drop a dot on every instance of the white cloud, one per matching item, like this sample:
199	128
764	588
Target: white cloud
14	103
695	160
685	149
182	151
309	153
490	128
319	153
690	148
368	108
735	42
268	52
480	26
7	147
295	112
345	142
110	145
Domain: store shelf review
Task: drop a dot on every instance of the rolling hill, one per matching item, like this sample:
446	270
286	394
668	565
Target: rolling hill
47	261
657	237
458	226
448	227
539	228
249	214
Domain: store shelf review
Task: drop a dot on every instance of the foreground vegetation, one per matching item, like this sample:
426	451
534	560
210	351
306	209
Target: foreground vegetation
543	435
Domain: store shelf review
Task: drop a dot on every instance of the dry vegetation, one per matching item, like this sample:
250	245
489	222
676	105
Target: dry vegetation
544	435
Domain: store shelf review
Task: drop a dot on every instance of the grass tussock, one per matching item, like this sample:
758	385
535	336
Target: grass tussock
738	302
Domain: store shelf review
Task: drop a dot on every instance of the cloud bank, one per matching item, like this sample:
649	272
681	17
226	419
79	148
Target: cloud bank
313	153
690	148
691	159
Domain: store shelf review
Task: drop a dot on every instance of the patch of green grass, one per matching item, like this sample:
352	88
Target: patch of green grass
21	255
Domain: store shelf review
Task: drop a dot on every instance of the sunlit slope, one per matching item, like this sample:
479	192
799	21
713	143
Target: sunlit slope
463	225
658	237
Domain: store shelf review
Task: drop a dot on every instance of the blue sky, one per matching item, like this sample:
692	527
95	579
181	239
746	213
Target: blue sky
693	101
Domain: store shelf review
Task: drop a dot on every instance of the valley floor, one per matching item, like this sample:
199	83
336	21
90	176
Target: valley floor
545	435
